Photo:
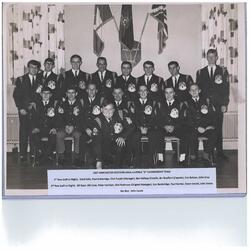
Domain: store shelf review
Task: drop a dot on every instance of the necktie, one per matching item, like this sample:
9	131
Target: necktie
75	74
211	73
33	81
147	80
102	76
46	75
175	81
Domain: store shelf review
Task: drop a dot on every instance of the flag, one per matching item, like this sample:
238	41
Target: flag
159	12
103	15
126	31
130	49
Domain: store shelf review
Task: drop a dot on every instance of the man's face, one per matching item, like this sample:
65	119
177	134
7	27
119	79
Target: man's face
194	91
71	94
101	65
91	90
118	93
48	66
174	69
143	92
148	69
108	111
75	63
126	69
33	69
46	95
169	94
212	58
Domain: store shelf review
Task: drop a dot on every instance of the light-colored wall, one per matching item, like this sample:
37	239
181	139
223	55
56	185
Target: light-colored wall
183	44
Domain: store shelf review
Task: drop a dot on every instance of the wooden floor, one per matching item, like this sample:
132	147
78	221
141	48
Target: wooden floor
24	176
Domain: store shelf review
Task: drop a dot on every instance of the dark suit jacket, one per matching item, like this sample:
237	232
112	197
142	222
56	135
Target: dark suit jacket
218	93
106	86
156	95
184	80
24	93
129	87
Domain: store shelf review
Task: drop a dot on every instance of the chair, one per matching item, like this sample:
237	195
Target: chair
170	139
68	138
144	139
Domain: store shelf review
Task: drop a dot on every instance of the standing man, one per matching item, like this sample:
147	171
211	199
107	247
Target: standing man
213	81
104	79
127	82
179	82
153	82
25	95
75	77
50	79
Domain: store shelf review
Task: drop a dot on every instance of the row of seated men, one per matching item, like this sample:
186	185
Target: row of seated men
110	114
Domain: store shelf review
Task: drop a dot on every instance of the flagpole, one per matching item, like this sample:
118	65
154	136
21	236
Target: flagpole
144	26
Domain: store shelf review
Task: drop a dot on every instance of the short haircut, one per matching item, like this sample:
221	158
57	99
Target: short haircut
173	63
91	83
212	51
194	84
101	58
45	88
35	63
71	87
126	63
148	62
49	60
107	102
75	56
142	85
168	87
118	86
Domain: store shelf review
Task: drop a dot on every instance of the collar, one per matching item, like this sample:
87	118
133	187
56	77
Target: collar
31	76
171	102
118	102
197	98
91	99
103	73
212	66
71	102
45	72
143	100
77	72
147	77
45	102
125	77
177	77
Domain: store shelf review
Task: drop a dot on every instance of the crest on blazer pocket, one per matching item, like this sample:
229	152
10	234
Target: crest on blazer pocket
218	79
131	87
118	128
174	113
182	86
51	84
51	112
148	110
108	83
96	110
154	87
76	111
82	85
95	131
204	109
60	110
39	89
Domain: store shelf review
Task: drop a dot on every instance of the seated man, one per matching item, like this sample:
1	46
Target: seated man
70	122
171	123
109	135
144	117
44	124
120	101
201	122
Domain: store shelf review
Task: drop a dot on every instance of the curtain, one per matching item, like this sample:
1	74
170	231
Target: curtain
220	31
34	32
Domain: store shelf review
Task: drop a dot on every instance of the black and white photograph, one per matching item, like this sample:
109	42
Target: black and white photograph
124	99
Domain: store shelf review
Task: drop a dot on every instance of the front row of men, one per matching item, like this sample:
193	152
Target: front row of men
110	129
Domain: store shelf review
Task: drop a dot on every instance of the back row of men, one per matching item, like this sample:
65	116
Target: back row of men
111	113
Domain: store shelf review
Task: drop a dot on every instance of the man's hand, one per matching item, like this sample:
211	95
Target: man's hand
120	141
69	129
35	131
223	109
52	131
23	112
201	130
88	131
169	128
210	127
144	130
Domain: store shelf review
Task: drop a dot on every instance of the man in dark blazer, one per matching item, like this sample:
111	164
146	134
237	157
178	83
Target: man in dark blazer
26	92
104	78
74	77
153	82
50	79
178	81
213	81
127	82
